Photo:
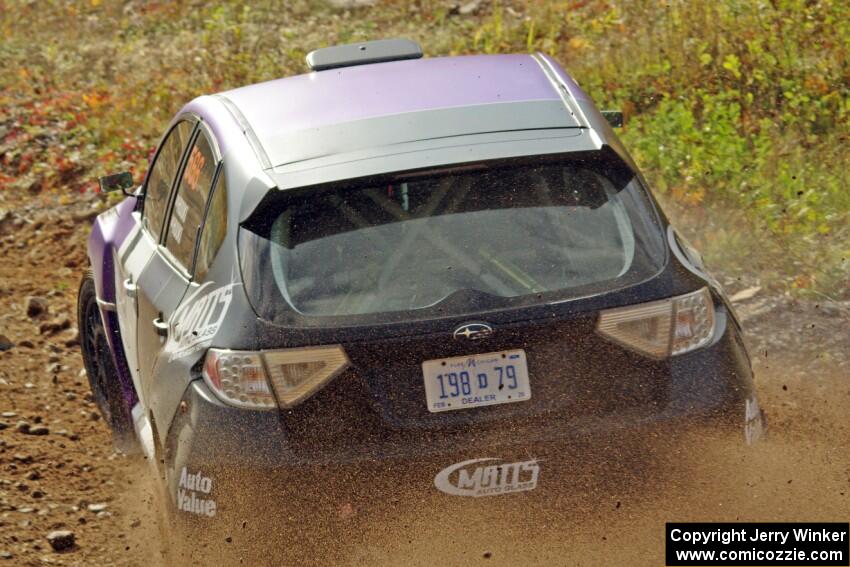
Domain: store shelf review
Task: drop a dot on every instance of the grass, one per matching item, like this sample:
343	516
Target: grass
737	111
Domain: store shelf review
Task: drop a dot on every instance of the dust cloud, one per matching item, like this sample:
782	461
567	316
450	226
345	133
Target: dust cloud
611	505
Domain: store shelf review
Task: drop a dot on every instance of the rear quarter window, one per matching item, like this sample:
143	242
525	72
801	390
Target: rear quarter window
215	227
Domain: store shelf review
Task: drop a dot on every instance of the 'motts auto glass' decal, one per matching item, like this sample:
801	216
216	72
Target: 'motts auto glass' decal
467	479
753	426
196	321
193	494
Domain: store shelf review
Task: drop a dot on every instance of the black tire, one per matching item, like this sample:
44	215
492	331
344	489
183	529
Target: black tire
100	368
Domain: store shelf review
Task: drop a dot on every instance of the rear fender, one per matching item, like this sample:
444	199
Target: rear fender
110	229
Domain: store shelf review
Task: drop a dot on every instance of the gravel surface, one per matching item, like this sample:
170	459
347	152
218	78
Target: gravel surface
66	498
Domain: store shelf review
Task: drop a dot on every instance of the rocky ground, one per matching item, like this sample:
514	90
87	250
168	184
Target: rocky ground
58	472
66	498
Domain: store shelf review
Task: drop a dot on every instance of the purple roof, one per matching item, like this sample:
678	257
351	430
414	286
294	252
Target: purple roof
293	104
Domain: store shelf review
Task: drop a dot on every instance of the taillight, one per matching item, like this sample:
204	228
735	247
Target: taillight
297	373
266	379
662	328
238	378
693	321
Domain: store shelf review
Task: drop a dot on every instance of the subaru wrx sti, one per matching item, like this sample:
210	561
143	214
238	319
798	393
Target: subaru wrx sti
421	274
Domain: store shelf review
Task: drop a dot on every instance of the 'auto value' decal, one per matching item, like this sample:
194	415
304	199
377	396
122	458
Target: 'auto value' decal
193	494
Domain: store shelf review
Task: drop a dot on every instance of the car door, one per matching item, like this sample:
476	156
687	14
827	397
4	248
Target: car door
138	248
166	352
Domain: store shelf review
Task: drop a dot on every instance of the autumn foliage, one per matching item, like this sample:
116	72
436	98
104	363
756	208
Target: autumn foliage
735	109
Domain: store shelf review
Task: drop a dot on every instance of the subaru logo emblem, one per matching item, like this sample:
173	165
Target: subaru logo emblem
473	331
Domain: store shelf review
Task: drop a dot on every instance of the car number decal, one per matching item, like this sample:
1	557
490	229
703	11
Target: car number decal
193	168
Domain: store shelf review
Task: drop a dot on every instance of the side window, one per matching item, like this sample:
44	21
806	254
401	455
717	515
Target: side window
161	177
215	227
189	204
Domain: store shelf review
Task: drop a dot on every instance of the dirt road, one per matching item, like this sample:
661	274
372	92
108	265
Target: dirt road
58	471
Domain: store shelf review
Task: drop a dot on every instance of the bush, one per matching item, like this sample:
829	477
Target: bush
738	107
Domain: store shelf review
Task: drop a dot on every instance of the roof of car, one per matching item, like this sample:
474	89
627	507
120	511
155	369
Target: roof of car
287	115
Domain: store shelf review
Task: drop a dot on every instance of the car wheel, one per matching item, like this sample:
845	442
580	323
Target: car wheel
100	368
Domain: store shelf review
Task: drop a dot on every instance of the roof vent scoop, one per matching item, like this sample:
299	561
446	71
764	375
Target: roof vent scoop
379	51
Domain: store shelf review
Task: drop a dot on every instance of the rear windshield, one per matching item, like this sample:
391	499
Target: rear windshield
459	241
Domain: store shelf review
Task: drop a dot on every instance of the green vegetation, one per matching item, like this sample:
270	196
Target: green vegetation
736	107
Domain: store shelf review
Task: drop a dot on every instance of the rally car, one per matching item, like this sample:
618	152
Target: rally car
447	261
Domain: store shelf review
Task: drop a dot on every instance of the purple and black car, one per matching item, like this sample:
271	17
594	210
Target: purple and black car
447	266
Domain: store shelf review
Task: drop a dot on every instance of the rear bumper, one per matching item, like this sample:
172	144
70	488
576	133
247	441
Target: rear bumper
250	458
327	515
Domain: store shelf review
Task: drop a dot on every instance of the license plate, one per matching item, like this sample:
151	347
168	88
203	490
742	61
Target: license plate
477	380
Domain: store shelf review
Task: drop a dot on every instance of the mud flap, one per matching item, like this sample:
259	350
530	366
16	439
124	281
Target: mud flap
755	421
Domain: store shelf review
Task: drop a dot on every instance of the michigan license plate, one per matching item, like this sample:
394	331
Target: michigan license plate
478	380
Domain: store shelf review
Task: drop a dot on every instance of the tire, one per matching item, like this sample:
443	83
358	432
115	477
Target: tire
100	369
